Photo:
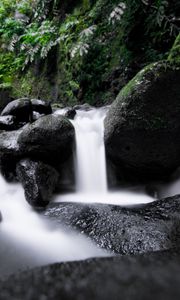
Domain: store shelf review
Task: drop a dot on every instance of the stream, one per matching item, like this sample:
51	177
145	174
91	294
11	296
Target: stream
27	240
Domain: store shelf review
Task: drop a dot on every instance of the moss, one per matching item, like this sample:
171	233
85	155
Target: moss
133	83
174	55
153	70
31	86
146	82
57	105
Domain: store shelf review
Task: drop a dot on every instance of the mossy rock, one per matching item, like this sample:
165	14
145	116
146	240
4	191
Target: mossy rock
174	55
142	127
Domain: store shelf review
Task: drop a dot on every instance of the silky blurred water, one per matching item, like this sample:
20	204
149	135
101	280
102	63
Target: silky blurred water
27	240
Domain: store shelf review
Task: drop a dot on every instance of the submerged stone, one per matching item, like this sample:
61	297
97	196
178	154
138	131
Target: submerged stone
39	181
70	113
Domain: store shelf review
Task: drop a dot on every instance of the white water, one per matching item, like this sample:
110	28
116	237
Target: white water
90	152
26	240
91	177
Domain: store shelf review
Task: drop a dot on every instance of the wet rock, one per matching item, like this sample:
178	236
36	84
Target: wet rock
151	276
84	106
40	106
51	139
142	127
142	229
70	114
36	115
20	108
7	123
39	181
9	153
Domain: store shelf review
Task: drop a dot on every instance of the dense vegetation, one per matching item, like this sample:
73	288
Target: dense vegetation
81	51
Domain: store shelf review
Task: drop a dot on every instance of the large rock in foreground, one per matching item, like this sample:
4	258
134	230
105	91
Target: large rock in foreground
142	127
50	138
152	276
39	181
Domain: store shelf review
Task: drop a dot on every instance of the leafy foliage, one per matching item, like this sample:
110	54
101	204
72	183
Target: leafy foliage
117	12
100	44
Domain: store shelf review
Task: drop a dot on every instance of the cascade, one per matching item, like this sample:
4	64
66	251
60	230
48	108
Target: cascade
26	239
90	151
90	164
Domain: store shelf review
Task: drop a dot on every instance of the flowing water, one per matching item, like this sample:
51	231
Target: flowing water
27	240
90	152
91	177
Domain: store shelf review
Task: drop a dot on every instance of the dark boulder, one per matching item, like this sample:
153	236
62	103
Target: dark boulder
1	217
40	106
36	116
150	227
51	139
142	127
8	123
9	153
152	276
70	113
84	106
39	181
20	108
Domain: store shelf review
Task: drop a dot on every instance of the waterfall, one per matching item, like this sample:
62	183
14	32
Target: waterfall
26	239
90	151
90	164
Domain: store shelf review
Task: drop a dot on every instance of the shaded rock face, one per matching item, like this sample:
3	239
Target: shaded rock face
21	108
26	110
40	106
51	138
70	114
39	181
9	153
152	227
84	106
7	123
151	276
142	127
